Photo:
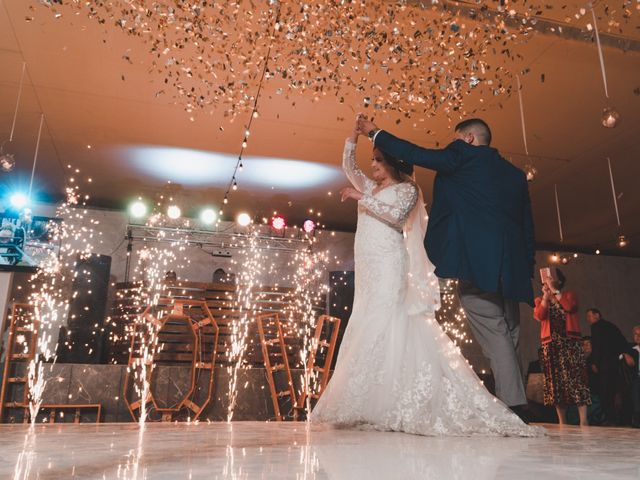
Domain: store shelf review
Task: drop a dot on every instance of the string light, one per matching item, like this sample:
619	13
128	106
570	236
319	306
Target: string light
254	114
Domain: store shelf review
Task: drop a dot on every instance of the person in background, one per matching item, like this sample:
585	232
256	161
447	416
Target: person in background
635	385
609	345
587	348
594	411
562	357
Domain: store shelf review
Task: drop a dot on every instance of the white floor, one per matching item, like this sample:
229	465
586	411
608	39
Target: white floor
254	450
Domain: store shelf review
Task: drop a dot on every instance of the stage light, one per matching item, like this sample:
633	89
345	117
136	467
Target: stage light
243	219
208	216
138	209
309	226
278	222
19	200
173	212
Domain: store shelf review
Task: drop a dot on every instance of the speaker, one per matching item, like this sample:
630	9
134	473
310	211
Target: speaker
341	290
87	310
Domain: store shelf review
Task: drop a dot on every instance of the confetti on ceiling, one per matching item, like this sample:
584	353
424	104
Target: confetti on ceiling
413	58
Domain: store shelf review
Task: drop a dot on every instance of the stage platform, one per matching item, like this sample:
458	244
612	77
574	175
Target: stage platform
252	450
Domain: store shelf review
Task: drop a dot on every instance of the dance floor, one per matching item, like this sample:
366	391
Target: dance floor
252	450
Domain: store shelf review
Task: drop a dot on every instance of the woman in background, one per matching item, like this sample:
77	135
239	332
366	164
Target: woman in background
562	357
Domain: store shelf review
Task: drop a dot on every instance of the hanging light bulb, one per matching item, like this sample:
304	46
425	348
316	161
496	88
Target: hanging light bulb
622	241
555	258
7	162
226	200
240	167
610	117
530	171
244	143
235	185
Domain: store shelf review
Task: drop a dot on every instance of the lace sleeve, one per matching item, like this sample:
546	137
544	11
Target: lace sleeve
357	178
396	214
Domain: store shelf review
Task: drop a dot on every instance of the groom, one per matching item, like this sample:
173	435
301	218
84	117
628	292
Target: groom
480	232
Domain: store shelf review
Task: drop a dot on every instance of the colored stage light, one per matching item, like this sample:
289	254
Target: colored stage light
138	209
278	222
19	200
309	226
243	219
173	212
208	216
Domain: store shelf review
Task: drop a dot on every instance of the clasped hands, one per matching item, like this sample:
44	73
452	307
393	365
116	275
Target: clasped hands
362	127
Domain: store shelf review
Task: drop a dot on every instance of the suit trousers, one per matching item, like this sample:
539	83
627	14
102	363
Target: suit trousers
495	323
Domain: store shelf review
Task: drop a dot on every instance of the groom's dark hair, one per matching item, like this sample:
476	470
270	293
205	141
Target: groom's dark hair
480	127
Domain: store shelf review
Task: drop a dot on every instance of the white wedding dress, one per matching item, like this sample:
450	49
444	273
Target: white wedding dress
397	370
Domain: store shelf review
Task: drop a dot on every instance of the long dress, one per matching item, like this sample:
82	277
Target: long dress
397	370
566	379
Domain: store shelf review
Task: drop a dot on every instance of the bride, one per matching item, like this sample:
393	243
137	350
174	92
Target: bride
397	370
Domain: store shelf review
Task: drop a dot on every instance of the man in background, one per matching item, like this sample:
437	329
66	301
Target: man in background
635	384
608	346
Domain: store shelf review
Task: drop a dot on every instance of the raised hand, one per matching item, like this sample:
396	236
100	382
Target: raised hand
364	126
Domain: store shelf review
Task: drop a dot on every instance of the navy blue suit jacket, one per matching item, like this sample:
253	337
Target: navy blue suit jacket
480	224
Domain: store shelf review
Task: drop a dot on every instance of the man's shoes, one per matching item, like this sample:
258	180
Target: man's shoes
521	412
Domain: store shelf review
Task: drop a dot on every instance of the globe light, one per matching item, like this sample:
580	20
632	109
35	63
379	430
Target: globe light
278	222
208	216
18	200
243	219
610	117
173	212
622	241
7	162
138	209
309	226
531	172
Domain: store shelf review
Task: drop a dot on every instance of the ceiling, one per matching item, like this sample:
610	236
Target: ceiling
95	88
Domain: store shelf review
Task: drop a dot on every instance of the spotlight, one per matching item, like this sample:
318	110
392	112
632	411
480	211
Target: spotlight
243	219
208	216
309	226
138	209
173	212
622	241
19	200
278	222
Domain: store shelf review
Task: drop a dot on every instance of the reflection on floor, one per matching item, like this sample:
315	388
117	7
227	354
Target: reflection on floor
250	450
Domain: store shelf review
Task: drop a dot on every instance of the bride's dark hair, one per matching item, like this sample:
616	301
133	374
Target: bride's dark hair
401	169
